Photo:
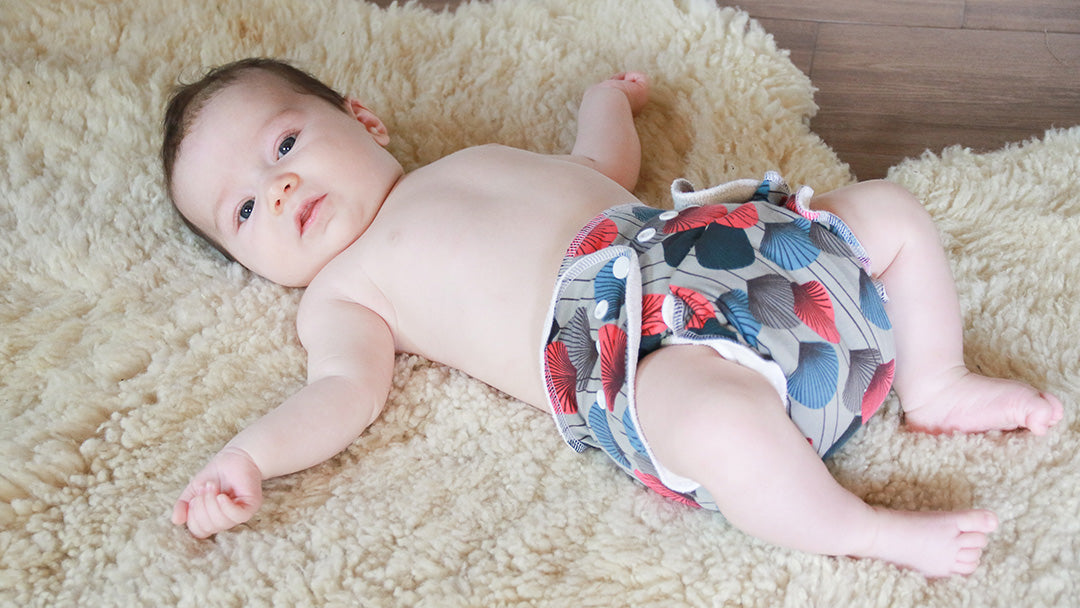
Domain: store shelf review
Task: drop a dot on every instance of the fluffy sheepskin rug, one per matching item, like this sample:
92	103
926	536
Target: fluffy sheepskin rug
130	352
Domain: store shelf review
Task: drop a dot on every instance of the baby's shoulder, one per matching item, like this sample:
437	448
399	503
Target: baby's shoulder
338	329
342	287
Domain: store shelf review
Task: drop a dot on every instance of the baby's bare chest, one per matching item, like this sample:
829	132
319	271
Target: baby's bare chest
464	272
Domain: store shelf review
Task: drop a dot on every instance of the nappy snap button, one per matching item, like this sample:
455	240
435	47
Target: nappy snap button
601	309
621	268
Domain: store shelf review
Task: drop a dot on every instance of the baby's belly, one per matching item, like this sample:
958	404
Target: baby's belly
489	325
505	354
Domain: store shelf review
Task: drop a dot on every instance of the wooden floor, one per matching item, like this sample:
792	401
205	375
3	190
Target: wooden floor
897	77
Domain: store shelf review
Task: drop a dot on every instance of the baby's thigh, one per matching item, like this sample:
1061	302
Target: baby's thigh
690	400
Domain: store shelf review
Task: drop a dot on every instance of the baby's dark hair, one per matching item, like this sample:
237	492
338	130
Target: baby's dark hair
188	100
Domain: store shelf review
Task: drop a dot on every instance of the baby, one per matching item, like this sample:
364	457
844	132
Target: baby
748	326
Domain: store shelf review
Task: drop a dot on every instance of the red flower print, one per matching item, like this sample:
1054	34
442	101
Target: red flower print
561	378
601	236
652	314
701	310
743	217
879	389
654	484
814	307
612	362
695	217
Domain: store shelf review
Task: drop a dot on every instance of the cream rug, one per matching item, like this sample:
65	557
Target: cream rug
129	353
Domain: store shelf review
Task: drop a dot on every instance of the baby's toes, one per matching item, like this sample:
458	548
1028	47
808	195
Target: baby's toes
970	552
1044	413
1056	408
974	525
969	556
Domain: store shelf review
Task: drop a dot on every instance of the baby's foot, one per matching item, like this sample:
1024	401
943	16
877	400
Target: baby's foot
635	85
969	403
936	543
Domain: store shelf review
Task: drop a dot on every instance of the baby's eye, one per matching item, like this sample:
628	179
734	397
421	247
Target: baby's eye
246	209
286	145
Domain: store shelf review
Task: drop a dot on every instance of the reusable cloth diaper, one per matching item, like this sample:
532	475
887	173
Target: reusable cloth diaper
745	268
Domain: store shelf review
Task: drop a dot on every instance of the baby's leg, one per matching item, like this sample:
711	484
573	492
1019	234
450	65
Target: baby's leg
725	427
937	391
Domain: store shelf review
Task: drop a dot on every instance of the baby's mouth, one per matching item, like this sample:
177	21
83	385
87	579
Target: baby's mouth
307	213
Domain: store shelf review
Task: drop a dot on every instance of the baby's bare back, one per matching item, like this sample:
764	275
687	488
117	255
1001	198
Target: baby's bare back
463	256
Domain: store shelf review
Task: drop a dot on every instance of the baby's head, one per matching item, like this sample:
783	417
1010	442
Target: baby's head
274	168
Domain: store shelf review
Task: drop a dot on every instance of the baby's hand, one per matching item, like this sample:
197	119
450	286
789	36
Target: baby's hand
226	493
634	84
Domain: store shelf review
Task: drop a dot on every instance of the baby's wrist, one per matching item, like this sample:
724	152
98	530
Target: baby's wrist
238	453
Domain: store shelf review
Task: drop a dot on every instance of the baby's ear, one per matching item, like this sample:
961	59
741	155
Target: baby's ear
370	121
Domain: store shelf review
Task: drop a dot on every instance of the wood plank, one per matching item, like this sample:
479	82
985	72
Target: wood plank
1033	16
798	37
889	92
929	13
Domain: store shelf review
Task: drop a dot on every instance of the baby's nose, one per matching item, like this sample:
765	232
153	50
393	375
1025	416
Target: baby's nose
283	189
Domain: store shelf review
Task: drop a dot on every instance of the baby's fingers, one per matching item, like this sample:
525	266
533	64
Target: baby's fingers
205	517
235	510
182	505
179	512
209	514
199	521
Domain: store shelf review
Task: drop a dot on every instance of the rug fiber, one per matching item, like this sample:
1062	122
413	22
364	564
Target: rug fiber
130	352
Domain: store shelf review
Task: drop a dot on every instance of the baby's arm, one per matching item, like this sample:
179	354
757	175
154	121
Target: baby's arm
350	365
606	138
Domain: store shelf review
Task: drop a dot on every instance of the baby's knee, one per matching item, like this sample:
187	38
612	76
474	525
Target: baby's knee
874	198
883	215
898	200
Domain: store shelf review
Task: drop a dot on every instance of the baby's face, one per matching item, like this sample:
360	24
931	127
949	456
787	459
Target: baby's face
284	181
